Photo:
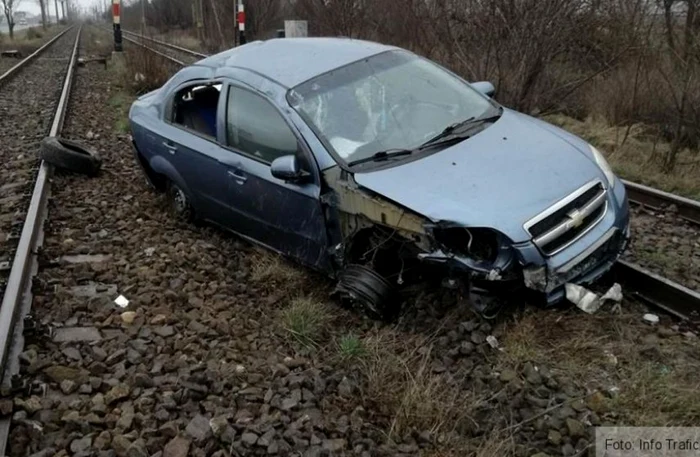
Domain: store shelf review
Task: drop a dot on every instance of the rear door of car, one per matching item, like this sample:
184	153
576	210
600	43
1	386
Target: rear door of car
285	216
195	155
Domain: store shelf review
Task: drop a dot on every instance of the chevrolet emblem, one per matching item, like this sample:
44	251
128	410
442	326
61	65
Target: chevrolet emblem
575	218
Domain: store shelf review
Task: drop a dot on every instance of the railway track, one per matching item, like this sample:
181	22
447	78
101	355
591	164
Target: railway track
646	285
176	54
33	99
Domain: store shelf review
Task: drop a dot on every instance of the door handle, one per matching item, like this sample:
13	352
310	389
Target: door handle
238	175
170	147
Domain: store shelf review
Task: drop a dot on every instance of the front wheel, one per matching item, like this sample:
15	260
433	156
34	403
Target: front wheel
362	286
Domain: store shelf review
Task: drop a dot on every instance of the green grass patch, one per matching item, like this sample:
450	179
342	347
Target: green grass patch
121	102
305	320
351	347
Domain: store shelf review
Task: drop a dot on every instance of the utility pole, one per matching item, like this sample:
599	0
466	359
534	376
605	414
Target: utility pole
143	17
116	15
200	24
63	9
55	5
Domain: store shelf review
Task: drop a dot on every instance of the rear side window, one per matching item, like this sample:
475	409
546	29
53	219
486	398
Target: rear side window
256	128
195	108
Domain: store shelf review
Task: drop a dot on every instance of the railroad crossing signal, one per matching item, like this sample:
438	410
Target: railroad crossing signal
116	15
241	22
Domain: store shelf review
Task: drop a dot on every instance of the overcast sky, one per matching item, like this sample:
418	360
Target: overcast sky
32	6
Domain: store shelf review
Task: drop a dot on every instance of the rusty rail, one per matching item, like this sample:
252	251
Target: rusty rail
167	45
16	300
687	209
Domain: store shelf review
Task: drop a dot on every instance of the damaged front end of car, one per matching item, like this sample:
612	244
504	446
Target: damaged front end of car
380	247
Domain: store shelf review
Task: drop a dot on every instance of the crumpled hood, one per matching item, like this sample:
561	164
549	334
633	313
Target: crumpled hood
499	178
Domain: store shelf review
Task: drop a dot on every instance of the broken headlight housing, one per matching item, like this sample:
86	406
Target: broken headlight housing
481	250
603	164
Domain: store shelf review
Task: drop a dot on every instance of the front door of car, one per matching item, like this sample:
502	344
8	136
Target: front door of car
285	216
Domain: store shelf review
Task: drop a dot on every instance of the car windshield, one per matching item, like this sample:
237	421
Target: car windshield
390	101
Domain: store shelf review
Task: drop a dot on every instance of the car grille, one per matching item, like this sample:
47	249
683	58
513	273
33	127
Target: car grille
569	219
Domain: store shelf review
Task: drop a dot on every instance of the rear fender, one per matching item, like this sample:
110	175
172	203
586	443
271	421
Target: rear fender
161	166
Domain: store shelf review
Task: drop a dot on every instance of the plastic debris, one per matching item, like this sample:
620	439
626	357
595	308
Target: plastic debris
651	318
589	301
122	301
149	251
493	341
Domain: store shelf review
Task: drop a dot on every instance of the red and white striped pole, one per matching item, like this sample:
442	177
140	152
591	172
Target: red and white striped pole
241	22
116	17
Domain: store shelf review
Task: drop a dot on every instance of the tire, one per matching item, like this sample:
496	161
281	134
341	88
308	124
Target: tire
70	155
365	287
179	203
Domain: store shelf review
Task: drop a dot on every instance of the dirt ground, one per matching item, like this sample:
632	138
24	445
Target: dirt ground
227	350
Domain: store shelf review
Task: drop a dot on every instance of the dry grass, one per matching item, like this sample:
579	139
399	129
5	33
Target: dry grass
145	71
29	40
637	155
400	383
602	352
496	444
306	320
267	267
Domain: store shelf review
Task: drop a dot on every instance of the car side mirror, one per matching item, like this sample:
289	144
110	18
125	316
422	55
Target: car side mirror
485	88
287	169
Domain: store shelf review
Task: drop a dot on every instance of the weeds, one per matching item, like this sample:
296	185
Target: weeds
146	71
121	103
33	33
398	379
266	267
306	320
351	347
603	352
637	153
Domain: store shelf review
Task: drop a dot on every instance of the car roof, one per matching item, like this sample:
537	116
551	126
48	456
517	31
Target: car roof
291	61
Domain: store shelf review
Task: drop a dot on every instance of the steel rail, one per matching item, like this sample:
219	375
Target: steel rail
155	51
166	44
661	292
688	209
18	291
5	76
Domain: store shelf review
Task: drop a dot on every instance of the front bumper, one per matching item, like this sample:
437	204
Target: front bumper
584	269
583	262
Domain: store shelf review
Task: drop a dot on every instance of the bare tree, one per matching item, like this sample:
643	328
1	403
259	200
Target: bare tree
8	8
43	13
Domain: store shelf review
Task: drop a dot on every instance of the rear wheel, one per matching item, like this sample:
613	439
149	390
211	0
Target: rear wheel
179	203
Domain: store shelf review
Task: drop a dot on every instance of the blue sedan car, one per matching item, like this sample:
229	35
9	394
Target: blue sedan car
382	169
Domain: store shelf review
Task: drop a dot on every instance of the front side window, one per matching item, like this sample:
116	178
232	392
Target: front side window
256	128
393	100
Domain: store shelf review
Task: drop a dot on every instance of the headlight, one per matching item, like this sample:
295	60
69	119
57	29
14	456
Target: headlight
603	164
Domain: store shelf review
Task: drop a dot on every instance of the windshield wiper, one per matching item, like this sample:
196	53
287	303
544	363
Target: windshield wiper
382	155
448	133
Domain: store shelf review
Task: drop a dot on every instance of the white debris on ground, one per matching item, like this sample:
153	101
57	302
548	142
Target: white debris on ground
493	342
651	318
122	301
588	301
